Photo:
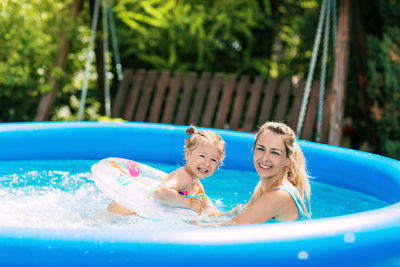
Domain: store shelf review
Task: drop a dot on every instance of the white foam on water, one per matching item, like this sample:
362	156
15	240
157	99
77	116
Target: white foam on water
59	200
61	195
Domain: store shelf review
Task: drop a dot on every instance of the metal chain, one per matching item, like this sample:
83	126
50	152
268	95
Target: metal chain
89	59
107	97
311	71
118	64
106	8
323	74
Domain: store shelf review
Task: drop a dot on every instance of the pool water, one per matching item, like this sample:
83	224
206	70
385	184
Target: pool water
60	194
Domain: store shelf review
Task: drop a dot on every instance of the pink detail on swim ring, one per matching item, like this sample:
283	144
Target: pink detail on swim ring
133	168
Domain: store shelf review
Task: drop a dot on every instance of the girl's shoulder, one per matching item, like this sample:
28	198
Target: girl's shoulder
177	179
199	187
177	172
180	174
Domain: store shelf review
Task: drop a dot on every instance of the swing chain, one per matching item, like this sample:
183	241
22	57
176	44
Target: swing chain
328	7
323	75
89	59
106	9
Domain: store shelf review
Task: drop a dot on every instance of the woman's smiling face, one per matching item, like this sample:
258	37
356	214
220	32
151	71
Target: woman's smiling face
270	157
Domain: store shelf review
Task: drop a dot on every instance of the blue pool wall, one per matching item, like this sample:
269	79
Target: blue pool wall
365	172
363	239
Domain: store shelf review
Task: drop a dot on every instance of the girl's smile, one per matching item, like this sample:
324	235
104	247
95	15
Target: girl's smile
203	160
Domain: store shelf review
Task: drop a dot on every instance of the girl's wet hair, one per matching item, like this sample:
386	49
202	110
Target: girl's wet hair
198	137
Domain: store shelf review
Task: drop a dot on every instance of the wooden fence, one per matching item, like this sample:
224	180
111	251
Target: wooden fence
226	101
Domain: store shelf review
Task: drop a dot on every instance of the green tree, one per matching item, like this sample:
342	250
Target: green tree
217	36
384	89
267	37
29	39
383	66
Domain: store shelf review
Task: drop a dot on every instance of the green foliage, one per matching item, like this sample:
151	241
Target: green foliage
390	11
24	51
384	89
267	37
236	36
293	47
381	133
193	35
225	36
29	38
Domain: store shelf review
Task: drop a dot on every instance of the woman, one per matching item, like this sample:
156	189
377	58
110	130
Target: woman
283	191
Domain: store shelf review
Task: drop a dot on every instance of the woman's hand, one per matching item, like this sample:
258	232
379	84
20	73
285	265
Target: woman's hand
235	210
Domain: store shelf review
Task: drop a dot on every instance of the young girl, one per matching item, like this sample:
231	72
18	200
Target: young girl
204	151
283	191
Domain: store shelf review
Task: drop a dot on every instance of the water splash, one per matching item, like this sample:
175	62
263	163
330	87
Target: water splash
61	195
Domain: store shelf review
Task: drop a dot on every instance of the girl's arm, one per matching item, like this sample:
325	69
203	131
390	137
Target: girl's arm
206	201
168	192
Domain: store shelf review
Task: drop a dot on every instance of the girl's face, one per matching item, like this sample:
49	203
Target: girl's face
270	157
203	160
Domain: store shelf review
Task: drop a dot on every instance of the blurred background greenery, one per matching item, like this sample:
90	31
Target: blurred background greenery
268	37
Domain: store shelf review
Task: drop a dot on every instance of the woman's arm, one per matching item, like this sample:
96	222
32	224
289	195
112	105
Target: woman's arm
239	207
263	209
273	204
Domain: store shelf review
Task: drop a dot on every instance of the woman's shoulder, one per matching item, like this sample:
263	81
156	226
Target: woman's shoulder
279	195
274	196
294	199
287	187
287	191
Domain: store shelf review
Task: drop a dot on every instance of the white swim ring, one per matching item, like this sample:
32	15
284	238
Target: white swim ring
132	185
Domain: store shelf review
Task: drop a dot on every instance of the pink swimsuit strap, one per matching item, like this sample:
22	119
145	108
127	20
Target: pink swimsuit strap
185	193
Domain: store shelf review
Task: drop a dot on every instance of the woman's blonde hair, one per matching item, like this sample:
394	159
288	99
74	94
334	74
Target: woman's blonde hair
198	137
295	172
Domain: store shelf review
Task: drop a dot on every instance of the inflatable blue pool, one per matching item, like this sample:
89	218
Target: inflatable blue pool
369	238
